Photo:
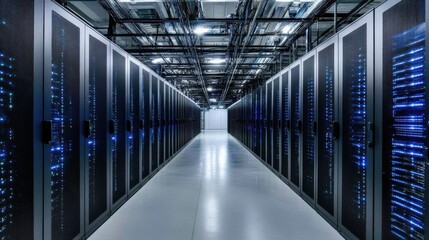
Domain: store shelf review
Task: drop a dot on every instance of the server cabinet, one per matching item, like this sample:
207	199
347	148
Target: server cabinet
401	156
276	123
355	199
118	126
249	121
161	122
96	128
285	128
63	110
167	121
255	113
269	122
154	122
309	125
21	58
296	125
328	129
146	116
133	123
264	123
174	120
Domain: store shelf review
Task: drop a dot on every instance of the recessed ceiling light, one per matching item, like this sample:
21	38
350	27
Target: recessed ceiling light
201	30
217	61
209	89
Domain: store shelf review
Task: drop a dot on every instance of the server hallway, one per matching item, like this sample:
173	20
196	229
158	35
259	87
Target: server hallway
215	189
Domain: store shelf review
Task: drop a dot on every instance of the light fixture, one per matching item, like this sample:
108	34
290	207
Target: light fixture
201	30
209	89
287	29
221	106
213	100
157	60
217	61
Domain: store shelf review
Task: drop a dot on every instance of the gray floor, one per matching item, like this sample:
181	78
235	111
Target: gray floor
215	189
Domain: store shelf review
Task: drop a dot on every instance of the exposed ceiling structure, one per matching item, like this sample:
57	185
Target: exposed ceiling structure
216	51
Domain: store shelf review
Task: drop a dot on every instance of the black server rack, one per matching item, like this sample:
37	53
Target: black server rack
269	122
286	124
264	123
64	107
259	123
167	121
154	122
276	123
118	126
161	125
309	126
133	124
249	122
96	128
255	122
21	58
401	205
296	125
146	111
328	129
355	160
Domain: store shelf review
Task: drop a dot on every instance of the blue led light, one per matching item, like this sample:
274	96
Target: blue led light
408	134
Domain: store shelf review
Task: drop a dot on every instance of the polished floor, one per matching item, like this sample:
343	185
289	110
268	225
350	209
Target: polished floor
215	190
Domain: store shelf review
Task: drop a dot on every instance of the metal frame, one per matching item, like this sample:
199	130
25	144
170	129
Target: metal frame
307	198
51	7
296	64
366	20
331	219
90	227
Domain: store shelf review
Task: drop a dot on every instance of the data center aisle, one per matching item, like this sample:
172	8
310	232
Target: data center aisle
215	189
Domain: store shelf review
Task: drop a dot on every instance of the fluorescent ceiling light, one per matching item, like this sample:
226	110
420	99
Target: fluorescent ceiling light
220	106
213	100
209	89
217	61
201	30
287	29
157	60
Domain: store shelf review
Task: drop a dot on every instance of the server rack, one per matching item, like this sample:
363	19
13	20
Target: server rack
118	126
286	124
64	148
356	115
250	122
146	111
255	122
276	123
308	132
161	125
133	124
167	121
97	171
21	65
269	123
296	125
328	129
264	123
154	122
401	192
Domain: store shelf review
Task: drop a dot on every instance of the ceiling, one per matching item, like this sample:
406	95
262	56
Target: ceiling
216	51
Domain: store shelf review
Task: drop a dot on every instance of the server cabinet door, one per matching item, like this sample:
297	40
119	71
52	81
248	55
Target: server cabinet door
255	139
356	121
146	114
264	122
21	59
276	123
285	114
154	123
296	125
96	128
133	124
161	120
309	128
249	122
327	131
401	189
167	122
258	112
269	114
118	127
64	107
